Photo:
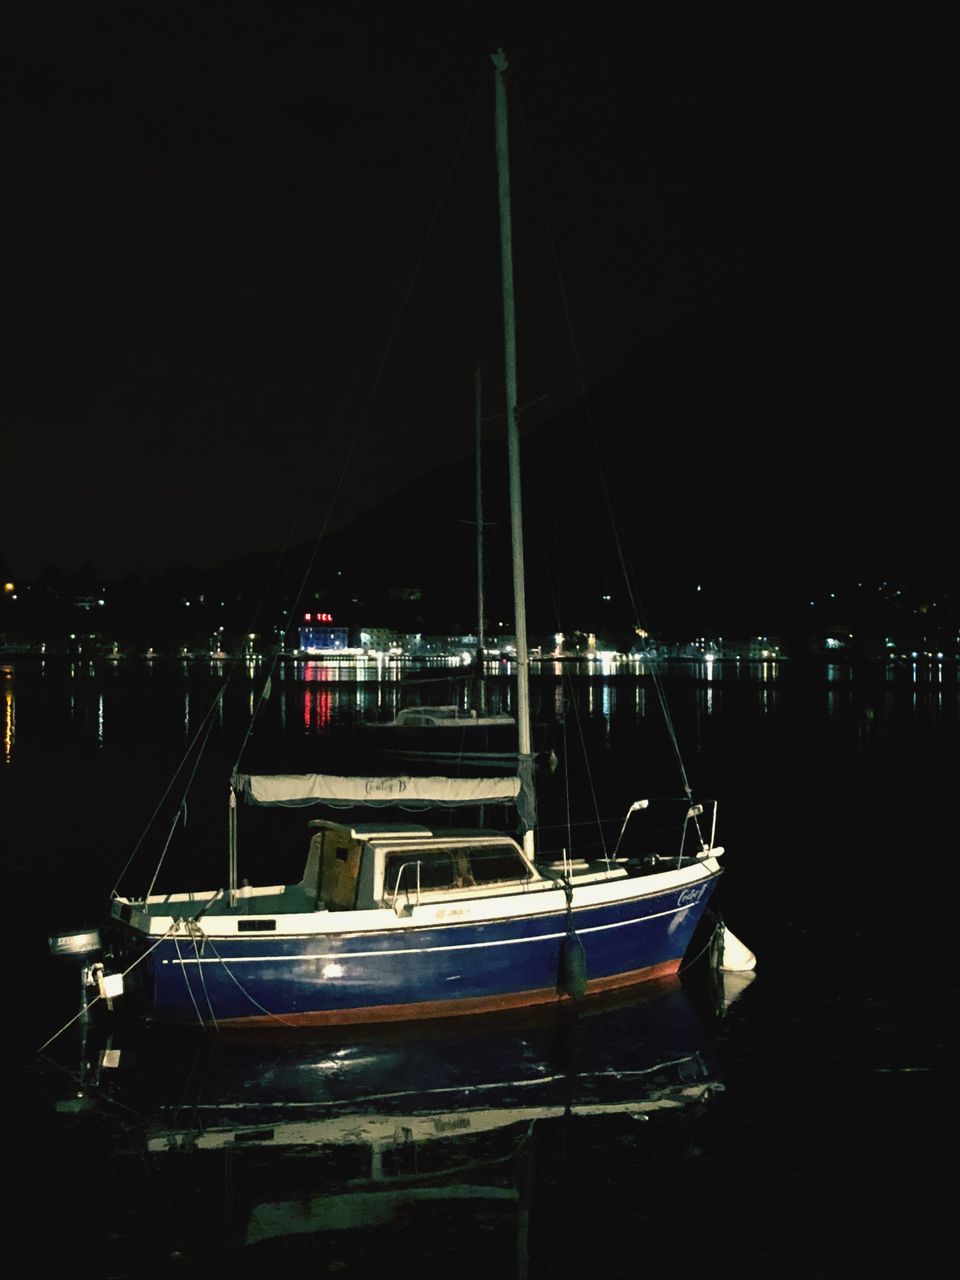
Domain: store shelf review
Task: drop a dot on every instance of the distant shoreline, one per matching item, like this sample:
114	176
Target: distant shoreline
457	669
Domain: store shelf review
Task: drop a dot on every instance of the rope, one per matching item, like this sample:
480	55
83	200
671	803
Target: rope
572	702
691	960
217	702
264	693
96	1000
241	988
452	678
365	413
186	791
139	960
67	1025
197	932
186	755
608	499
193	999
552	579
586	757
566	789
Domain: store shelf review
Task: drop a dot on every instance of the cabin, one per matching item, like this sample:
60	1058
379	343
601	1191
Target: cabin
371	865
367	867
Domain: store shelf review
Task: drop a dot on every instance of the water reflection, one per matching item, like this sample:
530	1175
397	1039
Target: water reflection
608	706
316	709
640	701
320	1141
710	682
363	670
315	696
9	715
768	692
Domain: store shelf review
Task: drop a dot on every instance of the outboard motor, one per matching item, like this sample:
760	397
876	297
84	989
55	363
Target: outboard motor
86	946
77	945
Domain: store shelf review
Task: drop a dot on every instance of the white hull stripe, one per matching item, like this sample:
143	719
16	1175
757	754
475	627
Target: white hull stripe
340	956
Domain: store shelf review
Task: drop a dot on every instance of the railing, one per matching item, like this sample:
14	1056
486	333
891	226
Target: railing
694	812
653	838
397	886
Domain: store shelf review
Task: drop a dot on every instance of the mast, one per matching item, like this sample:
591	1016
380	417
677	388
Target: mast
481	690
513	432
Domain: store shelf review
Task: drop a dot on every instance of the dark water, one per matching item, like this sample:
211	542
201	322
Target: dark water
796	1126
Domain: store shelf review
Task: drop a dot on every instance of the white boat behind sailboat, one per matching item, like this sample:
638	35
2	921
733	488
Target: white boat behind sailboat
473	729
448	716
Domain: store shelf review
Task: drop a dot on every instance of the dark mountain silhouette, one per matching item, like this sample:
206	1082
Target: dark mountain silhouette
725	477
732	469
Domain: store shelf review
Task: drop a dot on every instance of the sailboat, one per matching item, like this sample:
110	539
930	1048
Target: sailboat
395	920
449	731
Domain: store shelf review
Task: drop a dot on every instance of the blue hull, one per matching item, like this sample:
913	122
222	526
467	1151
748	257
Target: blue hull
433	971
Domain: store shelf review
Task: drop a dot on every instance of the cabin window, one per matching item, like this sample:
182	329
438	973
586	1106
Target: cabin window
497	865
463	868
431	870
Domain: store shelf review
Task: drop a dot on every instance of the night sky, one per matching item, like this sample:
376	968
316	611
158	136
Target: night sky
229	269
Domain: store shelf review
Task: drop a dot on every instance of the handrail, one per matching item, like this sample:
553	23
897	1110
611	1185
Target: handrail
396	887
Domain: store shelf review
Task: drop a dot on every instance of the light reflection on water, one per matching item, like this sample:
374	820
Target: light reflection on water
9	715
319	695
319	1142
317	712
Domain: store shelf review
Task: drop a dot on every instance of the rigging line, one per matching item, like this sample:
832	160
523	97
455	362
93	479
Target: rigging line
566	788
278	560
207	717
552	576
277	648
184	1104
586	756
176	816
453	678
239	985
554	591
653	833
374	387
67	1025
258	607
87	1007
197	932
692	960
578	364
183	970
307	495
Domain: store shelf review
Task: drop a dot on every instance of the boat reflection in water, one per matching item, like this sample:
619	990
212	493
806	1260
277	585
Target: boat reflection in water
456	1139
